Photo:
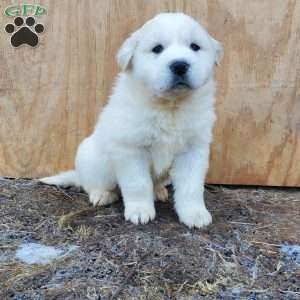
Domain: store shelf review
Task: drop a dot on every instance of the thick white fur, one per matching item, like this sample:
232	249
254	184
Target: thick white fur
148	131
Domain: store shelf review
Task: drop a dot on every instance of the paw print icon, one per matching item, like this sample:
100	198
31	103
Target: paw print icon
24	32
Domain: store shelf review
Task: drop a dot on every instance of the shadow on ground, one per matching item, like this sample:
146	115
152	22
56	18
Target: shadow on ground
240	256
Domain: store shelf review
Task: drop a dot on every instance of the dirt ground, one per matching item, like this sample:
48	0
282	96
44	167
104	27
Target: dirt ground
239	256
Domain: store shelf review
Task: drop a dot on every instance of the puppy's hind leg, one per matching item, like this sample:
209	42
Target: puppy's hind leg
95	173
102	198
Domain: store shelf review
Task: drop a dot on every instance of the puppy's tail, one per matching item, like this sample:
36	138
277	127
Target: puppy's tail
62	179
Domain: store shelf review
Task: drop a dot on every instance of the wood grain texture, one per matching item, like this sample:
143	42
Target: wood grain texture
50	96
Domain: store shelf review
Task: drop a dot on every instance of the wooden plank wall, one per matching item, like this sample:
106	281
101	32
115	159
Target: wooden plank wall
50	95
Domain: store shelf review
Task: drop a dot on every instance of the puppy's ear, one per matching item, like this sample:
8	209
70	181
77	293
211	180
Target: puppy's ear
126	51
219	51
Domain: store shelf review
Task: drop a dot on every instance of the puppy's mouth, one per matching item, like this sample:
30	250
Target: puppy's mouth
180	84
178	89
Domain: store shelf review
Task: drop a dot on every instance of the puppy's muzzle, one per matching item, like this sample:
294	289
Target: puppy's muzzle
179	69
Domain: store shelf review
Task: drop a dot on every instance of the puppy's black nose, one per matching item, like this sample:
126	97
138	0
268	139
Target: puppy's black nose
179	67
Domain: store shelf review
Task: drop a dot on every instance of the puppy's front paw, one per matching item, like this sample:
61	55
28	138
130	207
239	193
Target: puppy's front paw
139	213
193	216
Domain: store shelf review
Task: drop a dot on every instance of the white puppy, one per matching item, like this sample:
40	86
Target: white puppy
158	123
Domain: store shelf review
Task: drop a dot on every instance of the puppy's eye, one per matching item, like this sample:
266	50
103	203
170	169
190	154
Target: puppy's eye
195	47
158	49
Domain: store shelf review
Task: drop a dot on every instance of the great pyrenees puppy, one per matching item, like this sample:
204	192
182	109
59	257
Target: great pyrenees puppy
157	125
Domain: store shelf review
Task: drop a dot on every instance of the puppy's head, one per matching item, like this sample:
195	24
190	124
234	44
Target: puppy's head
170	54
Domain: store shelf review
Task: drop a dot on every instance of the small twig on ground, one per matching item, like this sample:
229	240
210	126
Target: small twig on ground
263	243
64	192
107	216
68	219
289	292
40	225
116	294
265	226
242	223
257	291
181	287
7	246
280	264
255	271
5	225
168	289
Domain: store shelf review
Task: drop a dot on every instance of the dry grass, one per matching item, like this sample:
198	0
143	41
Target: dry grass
237	257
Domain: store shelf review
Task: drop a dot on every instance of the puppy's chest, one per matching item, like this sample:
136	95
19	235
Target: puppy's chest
170	137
